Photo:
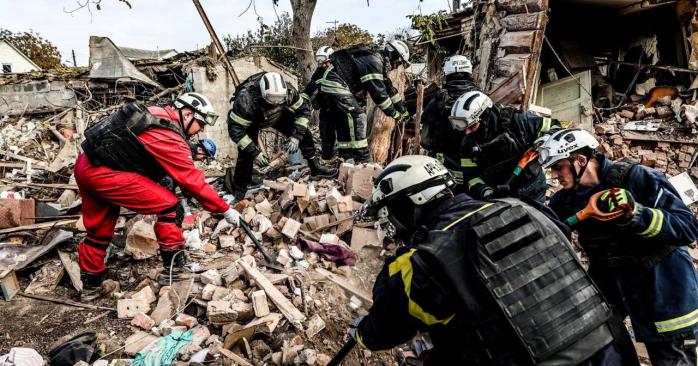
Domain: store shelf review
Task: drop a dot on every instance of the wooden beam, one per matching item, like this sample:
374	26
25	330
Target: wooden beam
285	306
66	302
235	358
42	185
344	283
522	22
521	6
42	225
35	163
518	42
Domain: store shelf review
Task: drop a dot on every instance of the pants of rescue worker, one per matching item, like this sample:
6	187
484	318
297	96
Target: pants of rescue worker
104	191
328	134
243	166
349	117
678	352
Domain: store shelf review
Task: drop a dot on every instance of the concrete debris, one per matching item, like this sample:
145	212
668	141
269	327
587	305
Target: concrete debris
129	308
141	242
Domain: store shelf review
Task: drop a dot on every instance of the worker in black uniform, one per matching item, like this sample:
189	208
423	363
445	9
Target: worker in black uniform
311	93
354	72
266	100
437	135
639	259
492	282
497	138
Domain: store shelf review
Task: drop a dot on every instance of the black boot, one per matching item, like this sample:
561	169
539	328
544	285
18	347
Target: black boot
320	171
94	287
361	155
173	266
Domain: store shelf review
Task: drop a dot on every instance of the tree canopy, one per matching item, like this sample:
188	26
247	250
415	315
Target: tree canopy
37	48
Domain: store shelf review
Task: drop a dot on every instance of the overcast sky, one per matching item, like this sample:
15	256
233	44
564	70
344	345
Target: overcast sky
163	24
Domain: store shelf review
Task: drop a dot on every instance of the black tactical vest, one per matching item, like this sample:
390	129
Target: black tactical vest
602	242
265	114
113	141
344	66
547	308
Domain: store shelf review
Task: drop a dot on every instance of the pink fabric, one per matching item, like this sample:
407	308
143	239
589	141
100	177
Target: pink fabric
337	253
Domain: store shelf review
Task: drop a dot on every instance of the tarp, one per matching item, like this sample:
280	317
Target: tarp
108	62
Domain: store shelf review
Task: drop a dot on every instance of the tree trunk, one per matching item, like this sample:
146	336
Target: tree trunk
382	125
302	16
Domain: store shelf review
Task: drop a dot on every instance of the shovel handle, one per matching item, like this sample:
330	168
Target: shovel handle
342	353
256	242
591	210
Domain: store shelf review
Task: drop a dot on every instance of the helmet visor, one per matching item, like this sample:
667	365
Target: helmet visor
209	118
275	99
459	123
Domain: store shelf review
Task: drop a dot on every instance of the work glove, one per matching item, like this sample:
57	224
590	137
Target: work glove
398	117
232	216
487	193
293	145
502	190
353	328
618	199
261	160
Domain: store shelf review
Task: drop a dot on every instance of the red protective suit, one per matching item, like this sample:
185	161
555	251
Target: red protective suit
105	190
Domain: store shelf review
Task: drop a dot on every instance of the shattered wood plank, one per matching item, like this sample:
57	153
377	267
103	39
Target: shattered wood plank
520	22
71	266
286	307
521	6
266	325
42	185
9	286
344	283
46	278
36	164
42	225
518	42
235	358
66	302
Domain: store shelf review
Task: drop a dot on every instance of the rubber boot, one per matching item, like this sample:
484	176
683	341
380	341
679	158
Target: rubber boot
320	171
361	155
173	266
94	287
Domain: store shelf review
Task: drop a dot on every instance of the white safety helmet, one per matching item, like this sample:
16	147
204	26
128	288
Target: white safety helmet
418	178
398	51
323	53
457	63
273	88
468	109
200	105
561	144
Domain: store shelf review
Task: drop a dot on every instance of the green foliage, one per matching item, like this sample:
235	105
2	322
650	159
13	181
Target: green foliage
278	34
40	50
427	25
98	4
346	35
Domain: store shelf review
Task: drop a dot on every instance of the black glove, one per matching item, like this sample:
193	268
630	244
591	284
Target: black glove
502	190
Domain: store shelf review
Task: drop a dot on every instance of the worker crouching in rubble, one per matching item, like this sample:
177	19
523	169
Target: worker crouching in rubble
639	260
492	282
266	100
496	140
125	155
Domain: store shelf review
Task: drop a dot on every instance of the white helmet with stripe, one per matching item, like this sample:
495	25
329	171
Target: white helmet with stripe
398	51
273	88
200	105
457	63
468	109
561	144
323	53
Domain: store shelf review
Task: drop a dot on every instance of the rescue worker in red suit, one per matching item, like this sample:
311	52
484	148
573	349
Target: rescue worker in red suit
125	155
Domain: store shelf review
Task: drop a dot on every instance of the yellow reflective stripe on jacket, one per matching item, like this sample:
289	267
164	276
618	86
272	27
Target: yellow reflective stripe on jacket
395	98
403	265
656	224
297	104
368	77
239	120
681	322
301	121
467	163
359	340
385	104
452	224
352	144
475	181
305	96
244	142
545	126
333	87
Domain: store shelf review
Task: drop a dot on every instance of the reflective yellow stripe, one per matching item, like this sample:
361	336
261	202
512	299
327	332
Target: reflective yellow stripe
352	144
655	226
350	123
681	322
457	176
244	142
359	340
475	181
396	98
440	157
467	163
301	121
385	104
403	265
466	216
239	120
545	126
368	77
305	96
297	104
332	87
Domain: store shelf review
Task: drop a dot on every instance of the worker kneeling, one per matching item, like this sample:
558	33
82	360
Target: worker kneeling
493	282
125	155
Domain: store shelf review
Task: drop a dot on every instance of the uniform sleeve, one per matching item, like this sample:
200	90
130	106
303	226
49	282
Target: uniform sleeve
240	117
395	97
400	308
533	126
371	75
313	85
472	173
301	110
662	216
174	155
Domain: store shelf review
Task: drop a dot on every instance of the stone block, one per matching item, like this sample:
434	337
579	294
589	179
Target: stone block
128	308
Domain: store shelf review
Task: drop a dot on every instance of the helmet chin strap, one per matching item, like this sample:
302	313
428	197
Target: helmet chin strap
181	122
578	174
